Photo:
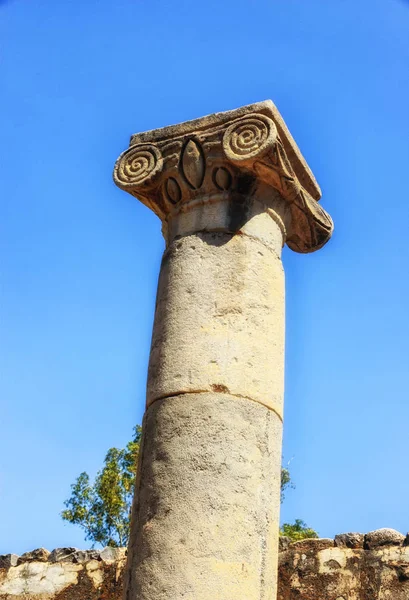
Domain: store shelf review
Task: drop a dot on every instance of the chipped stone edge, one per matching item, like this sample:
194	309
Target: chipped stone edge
59	555
110	555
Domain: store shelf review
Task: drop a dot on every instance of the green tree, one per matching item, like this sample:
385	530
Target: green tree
102	508
286	482
297	531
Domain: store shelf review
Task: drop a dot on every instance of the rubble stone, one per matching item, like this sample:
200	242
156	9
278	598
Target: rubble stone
308	570
37	555
383	537
350	540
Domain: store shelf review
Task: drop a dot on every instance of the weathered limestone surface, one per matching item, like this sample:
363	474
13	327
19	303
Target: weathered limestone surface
76	575
219	324
210	491
322	570
308	570
230	189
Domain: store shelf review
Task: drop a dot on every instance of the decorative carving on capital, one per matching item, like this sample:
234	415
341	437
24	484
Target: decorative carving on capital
249	137
207	160
138	166
311	225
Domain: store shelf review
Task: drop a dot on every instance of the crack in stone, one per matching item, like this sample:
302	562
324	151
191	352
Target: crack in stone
213	391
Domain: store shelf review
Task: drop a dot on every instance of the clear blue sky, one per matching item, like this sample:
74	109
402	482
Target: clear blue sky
80	258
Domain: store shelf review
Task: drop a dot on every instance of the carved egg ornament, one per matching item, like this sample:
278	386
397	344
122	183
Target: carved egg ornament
193	164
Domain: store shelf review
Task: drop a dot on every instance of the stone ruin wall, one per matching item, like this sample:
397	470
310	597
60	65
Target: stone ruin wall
351	567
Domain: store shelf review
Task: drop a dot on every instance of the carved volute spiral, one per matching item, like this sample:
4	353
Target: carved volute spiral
250	137
138	165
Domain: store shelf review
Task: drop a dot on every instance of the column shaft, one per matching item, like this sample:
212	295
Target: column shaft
206	510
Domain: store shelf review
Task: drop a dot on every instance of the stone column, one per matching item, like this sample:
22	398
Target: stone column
230	190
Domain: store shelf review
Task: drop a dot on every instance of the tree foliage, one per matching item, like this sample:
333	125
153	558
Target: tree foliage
102	507
286	482
297	531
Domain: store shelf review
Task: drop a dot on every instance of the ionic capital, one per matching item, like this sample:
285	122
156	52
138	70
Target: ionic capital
236	157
